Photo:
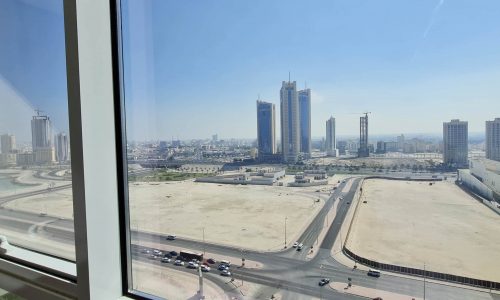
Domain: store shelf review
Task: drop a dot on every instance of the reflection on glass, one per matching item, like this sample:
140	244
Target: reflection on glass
36	203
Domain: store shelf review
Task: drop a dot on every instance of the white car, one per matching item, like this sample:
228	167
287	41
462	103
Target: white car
166	260
192	265
157	252
179	263
205	268
295	245
225	273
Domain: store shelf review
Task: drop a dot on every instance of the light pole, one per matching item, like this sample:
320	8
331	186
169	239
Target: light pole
424	281
203	241
285	231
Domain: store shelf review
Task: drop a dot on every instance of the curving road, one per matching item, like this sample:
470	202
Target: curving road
288	271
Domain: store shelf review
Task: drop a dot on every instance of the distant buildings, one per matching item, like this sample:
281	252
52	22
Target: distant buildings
493	139
455	142
289	112
266	129
363	150
62	147
305	122
41	137
8	143
331	141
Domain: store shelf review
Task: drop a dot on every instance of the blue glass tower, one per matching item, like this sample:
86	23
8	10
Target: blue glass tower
266	133
305	122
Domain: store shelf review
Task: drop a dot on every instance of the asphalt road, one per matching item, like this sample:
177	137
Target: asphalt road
287	271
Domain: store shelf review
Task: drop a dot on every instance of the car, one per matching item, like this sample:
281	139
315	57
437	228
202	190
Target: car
373	273
225	273
167	255
171	237
146	251
324	281
192	265
226	262
174	253
211	261
179	263
152	256
205	268
377	298
300	246
348	202
222	267
166	260
295	244
157	252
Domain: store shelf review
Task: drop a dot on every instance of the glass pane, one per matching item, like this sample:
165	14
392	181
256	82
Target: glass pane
36	203
311	140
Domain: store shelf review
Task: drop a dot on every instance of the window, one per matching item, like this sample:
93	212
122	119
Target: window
209	180
35	160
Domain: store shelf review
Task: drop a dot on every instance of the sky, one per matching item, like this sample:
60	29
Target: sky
196	68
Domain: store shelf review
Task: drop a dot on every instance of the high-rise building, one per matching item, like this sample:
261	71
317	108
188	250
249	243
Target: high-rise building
289	111
331	141
41	132
455	142
363	150
62	147
8	143
305	122
266	128
41	138
401	142
493	139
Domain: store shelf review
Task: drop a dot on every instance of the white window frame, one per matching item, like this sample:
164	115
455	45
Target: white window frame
99	249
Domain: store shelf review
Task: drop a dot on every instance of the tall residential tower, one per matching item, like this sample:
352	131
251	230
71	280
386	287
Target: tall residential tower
41	139
363	150
455	142
8	143
331	141
305	122
289	112
266	129
493	139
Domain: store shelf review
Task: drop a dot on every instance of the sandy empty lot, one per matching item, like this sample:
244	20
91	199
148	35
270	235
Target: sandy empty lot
412	223
251	216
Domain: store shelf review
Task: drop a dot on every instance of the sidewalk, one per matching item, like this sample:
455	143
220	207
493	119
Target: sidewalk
369	292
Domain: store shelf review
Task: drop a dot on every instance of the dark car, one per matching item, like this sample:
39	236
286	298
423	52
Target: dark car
174	253
168	255
223	267
324	281
211	261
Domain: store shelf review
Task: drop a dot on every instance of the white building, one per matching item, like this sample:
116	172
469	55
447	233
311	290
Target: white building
331	141
456	142
483	177
493	139
290	135
62	147
8	143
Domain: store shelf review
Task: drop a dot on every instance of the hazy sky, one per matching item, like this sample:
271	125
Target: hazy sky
195	68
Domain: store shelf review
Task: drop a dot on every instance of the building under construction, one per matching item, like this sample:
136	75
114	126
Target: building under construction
363	150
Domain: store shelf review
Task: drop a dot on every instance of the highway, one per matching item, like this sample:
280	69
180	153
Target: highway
288	271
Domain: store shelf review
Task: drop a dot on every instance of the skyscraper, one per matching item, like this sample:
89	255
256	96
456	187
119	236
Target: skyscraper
493	139
363	150
289	111
455	142
62	147
8	143
331	141
41	139
266	129
305	122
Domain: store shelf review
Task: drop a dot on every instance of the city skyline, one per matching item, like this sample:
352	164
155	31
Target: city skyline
444	69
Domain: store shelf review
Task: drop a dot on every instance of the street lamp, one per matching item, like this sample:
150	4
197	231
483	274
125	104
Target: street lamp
285	231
